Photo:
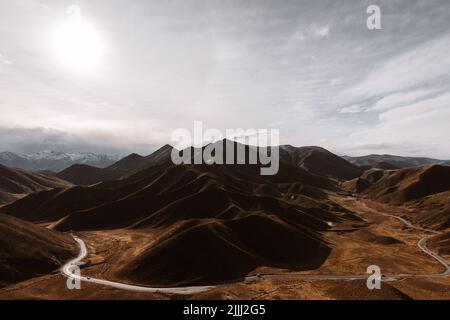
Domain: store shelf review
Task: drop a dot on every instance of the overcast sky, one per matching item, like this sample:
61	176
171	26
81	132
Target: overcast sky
309	68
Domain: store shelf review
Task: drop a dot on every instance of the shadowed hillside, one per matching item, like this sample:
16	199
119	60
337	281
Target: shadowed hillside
202	252
321	162
198	210
400	186
28	250
16	183
84	175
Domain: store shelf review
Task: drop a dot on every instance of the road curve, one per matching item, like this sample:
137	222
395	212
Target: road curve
69	270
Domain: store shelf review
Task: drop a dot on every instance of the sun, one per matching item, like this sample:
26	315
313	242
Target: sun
77	44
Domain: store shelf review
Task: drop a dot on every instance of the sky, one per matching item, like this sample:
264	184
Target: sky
141	69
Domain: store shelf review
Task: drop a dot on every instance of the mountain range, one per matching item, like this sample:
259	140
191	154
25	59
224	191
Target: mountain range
387	161
200	210
54	160
150	222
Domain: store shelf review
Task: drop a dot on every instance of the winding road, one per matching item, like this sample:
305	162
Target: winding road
69	269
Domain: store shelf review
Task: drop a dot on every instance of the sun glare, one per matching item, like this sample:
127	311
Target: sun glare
77	44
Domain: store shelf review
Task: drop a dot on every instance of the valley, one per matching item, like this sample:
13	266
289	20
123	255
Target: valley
226	232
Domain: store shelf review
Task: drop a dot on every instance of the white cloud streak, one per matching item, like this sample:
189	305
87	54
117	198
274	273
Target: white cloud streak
427	62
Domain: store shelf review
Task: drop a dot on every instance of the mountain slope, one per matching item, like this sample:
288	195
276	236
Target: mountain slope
410	184
134	163
217	251
16	183
160	156
128	163
28	250
84	175
403	185
424	191
321	162
198	210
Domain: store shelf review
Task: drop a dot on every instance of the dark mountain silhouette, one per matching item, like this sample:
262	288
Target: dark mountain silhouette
159	157
128	163
84	175
321	162
135	163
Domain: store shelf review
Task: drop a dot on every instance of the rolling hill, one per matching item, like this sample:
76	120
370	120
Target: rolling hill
411	184
423	190
84	175
135	162
321	162
199	210
129	163
16	183
29	250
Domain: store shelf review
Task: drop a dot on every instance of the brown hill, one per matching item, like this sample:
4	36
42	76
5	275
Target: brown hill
84	175
441	243
403	185
129	163
125	202
167	183
365	181
424	191
433	211
400	186
321	162
380	165
159	157
28	250
202	252
16	183
134	163
200	209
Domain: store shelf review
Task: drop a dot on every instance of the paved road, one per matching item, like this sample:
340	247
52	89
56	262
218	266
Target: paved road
69	268
422	244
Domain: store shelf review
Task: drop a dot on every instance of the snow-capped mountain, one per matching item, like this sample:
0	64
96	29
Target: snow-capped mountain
55	160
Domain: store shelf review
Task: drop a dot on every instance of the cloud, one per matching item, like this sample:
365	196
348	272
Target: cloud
352	109
299	35
419	129
3	60
401	99
402	102
412	113
231	64
29	140
321	32
429	62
